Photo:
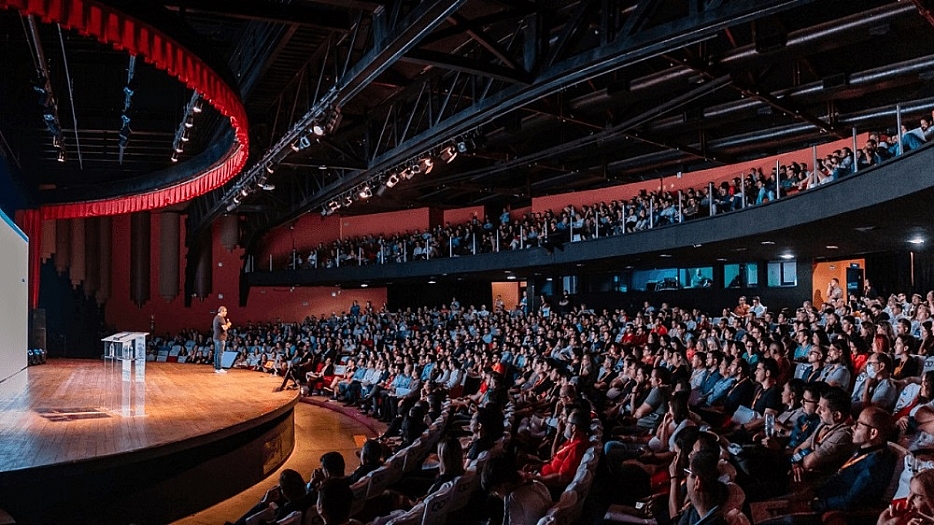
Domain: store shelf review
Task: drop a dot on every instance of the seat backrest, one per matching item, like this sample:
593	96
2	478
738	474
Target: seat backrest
581	484
294	518
413	455
464	487
412	517
567	510
312	517
359	490
892	487
546	520
379	480
384	520
438	505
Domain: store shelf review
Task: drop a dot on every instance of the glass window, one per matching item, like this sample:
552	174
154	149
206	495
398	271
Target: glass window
659	279
783	273
743	275
696	277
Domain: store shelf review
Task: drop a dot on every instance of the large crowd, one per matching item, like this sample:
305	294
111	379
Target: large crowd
823	412
646	210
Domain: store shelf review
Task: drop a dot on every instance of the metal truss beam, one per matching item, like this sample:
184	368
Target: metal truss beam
265	11
472	102
380	54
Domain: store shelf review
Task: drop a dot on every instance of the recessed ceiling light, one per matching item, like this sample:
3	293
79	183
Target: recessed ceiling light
549	279
364	285
511	277
832	247
629	267
916	240
432	281
787	256
721	259
580	265
698	245
665	255
768	243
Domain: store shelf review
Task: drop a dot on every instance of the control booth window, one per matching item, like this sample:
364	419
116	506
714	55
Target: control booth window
743	275
783	273
696	277
654	280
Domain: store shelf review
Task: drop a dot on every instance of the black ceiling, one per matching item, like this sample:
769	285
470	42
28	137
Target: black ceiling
554	96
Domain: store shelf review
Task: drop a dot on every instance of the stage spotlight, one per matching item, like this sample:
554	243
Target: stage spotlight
409	172
190	121
179	148
232	206
348	200
245	192
333	120
269	169
267	187
318	129
448	154
425	165
174	156
464	145
333	206
366	192
62	156
392	181
186	135
302	143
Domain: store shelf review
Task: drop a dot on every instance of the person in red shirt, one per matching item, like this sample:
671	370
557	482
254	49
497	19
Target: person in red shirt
558	473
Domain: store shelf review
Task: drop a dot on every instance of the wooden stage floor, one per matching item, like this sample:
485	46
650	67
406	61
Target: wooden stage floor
74	410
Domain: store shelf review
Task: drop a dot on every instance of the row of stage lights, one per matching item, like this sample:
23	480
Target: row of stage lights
320	127
49	106
183	133
422	164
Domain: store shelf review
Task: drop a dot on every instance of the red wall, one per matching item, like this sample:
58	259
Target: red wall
384	223
264	304
695	179
463	215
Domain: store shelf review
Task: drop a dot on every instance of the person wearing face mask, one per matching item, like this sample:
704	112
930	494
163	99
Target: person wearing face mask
875	387
557	473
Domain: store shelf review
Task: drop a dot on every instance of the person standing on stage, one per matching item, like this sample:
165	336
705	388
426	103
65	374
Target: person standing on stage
221	325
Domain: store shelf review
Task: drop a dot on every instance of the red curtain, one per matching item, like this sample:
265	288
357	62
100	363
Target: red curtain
31	223
136	37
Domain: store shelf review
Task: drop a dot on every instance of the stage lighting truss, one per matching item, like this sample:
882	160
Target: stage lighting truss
183	132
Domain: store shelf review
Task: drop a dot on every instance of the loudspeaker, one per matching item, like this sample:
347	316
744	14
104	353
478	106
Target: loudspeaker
37	328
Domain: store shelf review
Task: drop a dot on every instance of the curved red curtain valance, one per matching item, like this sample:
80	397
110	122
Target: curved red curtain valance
136	37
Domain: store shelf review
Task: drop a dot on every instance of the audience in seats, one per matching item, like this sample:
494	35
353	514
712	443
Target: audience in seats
525	500
551	229
288	496
792	403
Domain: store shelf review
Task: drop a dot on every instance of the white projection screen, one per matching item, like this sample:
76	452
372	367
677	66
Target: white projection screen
14	296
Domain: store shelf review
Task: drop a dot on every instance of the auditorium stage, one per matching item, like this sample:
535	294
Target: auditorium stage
82	442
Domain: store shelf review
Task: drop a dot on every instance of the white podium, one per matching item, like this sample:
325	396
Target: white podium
129	348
